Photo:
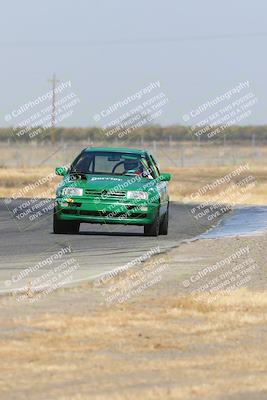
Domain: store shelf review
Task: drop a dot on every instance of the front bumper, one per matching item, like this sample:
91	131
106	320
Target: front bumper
106	212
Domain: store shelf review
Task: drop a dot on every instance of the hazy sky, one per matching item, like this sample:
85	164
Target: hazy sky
110	49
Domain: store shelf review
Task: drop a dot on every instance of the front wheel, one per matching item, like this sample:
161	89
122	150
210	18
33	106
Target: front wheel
65	226
152	229
163	228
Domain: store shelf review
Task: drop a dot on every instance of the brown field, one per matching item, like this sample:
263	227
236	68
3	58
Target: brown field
162	345
192	167
13	180
165	348
185	181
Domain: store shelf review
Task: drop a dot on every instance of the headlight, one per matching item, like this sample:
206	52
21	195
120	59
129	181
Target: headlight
72	191
137	195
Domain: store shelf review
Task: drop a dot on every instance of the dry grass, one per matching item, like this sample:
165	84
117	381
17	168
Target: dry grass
167	348
25	163
185	181
13	180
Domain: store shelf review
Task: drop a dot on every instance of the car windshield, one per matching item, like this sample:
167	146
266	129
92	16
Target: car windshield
111	163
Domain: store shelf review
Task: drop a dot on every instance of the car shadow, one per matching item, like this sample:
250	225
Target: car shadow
95	233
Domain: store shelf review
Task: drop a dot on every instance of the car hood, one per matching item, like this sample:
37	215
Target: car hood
107	182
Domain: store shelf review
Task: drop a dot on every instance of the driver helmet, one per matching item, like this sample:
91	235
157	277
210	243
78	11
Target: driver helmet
132	166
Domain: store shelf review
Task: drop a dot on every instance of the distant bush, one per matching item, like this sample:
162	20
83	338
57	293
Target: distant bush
147	133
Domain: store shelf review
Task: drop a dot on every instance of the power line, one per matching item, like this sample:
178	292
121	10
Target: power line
139	41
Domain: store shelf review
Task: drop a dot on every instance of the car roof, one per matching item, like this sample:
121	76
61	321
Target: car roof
116	149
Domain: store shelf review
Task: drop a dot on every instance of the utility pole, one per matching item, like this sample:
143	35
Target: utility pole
54	81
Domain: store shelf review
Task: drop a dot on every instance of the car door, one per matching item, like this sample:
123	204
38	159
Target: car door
161	185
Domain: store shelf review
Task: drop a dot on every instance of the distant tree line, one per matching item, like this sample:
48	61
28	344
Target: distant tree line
146	133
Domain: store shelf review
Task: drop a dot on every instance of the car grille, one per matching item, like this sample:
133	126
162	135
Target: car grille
105	194
72	212
112	215
105	214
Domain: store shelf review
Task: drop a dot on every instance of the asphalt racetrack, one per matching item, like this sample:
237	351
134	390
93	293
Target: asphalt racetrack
95	250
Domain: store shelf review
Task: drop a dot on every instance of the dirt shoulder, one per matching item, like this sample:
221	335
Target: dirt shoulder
167	341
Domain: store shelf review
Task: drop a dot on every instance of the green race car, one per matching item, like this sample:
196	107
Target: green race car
112	186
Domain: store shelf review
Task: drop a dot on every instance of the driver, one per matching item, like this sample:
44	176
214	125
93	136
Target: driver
133	167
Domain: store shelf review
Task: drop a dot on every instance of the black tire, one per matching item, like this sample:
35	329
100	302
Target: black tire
65	226
163	228
152	229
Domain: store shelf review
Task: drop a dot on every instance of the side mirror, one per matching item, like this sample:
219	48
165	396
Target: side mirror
165	176
62	171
